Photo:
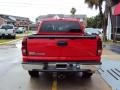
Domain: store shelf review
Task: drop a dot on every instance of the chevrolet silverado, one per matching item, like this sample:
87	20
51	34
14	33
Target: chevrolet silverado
60	45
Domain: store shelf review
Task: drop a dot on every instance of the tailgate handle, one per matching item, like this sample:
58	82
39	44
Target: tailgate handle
62	43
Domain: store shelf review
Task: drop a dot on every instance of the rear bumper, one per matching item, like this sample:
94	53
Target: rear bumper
37	63
32	66
40	66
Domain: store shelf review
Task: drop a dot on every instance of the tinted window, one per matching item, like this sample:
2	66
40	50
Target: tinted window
7	27
92	31
60	26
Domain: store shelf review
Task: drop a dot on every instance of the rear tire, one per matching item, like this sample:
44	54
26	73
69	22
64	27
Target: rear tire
33	73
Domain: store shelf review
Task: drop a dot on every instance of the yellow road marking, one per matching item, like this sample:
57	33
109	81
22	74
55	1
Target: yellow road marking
54	85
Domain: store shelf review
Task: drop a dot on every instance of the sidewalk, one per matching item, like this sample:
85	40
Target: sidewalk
110	68
110	55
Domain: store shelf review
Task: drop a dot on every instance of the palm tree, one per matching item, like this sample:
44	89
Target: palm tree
107	12
73	11
98	5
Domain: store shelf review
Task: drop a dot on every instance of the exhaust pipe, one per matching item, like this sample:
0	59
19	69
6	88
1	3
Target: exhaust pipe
61	76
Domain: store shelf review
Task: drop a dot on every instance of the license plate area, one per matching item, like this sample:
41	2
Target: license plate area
61	66
58	65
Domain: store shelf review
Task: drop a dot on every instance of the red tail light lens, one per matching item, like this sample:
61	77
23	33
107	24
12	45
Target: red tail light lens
99	47
24	46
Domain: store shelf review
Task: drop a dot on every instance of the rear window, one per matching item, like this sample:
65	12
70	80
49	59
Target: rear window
7	27
60	26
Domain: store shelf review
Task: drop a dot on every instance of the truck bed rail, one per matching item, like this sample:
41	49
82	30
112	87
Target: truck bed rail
61	36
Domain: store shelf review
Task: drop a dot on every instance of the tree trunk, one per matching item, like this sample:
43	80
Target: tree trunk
109	11
105	28
100	9
104	21
105	18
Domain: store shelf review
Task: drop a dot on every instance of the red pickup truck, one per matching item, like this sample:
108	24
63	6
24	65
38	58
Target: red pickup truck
60	45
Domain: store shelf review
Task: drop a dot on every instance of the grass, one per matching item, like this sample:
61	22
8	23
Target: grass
4	40
29	32
108	42
118	42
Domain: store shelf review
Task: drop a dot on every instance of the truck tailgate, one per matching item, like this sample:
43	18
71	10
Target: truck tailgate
46	47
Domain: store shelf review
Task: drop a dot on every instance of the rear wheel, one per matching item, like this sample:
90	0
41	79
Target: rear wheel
33	73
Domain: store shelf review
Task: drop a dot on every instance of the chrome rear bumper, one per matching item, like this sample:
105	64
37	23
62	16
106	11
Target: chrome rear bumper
52	67
32	66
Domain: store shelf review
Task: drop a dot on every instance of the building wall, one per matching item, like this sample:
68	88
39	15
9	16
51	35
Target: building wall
115	21
22	23
2	21
17	21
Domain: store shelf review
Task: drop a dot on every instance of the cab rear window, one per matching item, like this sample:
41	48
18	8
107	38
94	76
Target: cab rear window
60	26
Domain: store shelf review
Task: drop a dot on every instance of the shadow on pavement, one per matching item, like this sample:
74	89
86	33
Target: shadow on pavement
43	82
70	81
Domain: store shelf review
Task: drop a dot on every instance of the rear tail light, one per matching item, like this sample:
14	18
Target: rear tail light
24	46
99	47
